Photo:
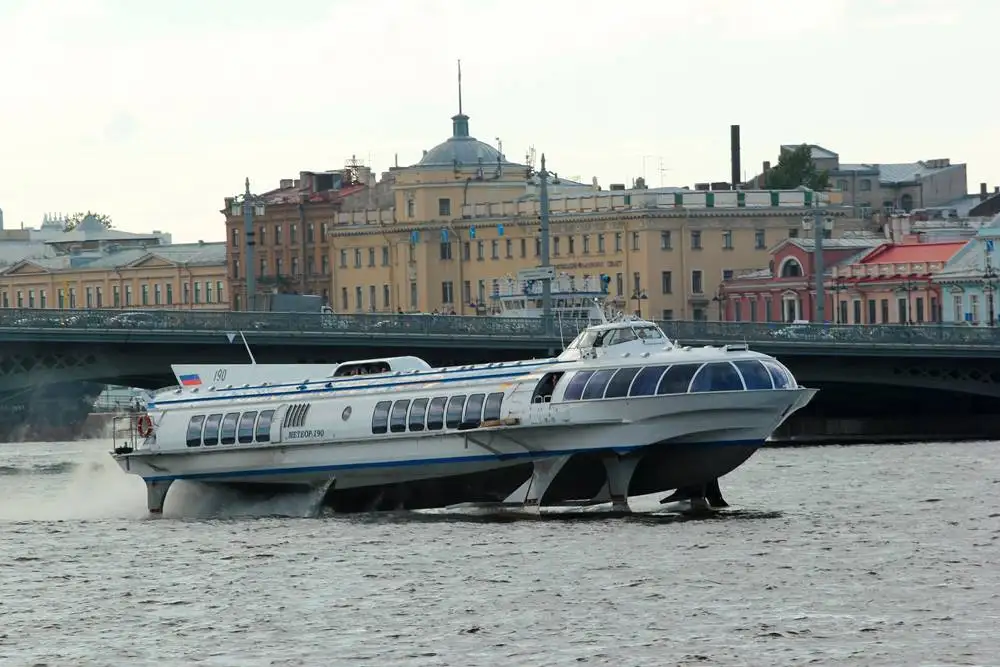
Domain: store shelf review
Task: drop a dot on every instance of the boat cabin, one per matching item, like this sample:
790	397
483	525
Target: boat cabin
572	299
627	334
377	366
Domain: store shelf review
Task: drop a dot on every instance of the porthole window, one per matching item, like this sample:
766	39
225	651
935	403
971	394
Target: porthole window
194	430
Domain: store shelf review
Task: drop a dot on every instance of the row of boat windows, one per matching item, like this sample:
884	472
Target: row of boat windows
434	414
677	379
228	429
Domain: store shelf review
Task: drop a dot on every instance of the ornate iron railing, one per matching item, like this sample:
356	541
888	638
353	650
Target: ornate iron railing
498	328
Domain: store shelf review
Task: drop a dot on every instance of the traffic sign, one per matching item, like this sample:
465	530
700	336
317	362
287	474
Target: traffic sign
537	273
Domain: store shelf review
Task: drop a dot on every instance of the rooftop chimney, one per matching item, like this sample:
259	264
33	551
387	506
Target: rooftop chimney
983	193
734	154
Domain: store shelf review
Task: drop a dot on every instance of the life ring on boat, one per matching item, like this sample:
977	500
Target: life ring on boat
145	425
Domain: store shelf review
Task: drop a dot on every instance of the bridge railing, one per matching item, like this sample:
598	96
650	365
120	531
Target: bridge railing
499	328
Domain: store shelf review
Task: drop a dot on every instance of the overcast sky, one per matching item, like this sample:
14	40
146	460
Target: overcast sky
154	111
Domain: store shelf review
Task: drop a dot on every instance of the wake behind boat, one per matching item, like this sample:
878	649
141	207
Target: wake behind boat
621	411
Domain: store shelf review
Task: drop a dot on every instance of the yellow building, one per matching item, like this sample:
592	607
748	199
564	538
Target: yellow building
182	276
465	217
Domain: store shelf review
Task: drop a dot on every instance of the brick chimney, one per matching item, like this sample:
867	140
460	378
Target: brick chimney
983	192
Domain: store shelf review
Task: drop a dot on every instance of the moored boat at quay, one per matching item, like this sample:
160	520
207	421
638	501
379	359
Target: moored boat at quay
621	411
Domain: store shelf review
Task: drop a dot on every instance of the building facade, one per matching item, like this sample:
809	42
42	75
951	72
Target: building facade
182	276
785	291
969	281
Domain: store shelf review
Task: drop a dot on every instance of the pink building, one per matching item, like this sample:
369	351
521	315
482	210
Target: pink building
784	291
893	284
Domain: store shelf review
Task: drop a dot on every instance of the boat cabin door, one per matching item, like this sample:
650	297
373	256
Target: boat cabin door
540	410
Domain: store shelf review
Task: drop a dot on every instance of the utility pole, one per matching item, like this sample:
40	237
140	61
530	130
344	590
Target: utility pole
543	176
818	269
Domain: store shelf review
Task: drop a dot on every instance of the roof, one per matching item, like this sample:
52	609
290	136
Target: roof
13	252
461	149
92	229
900	172
187	254
847	242
910	253
816	152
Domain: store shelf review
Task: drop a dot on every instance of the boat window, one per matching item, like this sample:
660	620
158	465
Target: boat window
597	384
645	382
618	387
649	333
574	389
229	428
547	385
397	420
264	426
417	413
618	336
380	419
585	339
677	379
194	430
754	374
246	427
454	416
492	410
212	430
435	414
473	411
782	378
717	377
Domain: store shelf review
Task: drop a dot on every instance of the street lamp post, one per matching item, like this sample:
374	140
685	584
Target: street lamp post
543	205
989	278
251	205
639	296
719	298
908	287
820	223
839	286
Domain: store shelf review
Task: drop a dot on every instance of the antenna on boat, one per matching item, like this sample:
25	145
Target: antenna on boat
562	342
600	310
247	346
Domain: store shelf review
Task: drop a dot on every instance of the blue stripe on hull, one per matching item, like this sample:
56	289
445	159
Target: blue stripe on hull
269	472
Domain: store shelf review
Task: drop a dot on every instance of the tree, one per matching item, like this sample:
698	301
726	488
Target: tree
73	220
796	168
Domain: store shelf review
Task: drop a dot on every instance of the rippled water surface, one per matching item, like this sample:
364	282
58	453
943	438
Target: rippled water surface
863	555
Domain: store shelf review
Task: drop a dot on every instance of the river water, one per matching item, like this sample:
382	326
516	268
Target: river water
858	555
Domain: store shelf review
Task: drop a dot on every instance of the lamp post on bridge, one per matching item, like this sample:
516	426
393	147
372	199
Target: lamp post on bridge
839	286
250	205
907	287
820	223
989	280
639	296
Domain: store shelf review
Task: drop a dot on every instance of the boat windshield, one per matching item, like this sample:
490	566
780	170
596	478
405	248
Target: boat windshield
585	339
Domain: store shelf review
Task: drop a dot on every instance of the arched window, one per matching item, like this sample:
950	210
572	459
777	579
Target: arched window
906	201
790	268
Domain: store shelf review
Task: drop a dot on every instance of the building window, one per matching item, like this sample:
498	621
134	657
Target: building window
866	185
510	248
263	266
372	301
571	245
667	282
293	233
884	308
697	286
410	209
759	239
197	293
635	240
480	251
447	292
973	308
727	239
324	265
793	232
310	265
695	240
495	249
185	294
413	295
60	297
385	255
236	237
538	247
359	299
753	309
386	301
620	284
467	291
310	232
668	314
90	298
371	257
618	241
665	241
344	305
699	314
208	292
279	266
856	307
871	312
220	293
636	282
727	274
842	184
295	266
586	244
444	207
600	244
277	235
555	246
737	310
919	308
31	298
157	294
524	248
933	313
481	292
446	250
72	297
343	259
170	294
261	235
145	294
357	258
466	251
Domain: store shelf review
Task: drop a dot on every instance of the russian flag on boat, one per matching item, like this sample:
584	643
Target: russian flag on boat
192	380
